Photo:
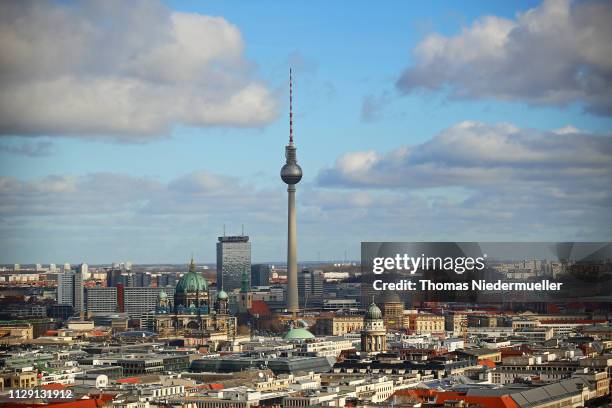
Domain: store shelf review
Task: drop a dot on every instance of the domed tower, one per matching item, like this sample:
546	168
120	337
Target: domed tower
192	290
222	303
374	333
163	302
162	298
291	174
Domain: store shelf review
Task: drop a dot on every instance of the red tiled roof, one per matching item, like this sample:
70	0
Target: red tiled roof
487	362
484	401
417	393
259	307
82	403
129	380
440	397
53	386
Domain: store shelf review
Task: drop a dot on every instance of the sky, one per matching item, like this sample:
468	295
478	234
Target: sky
135	131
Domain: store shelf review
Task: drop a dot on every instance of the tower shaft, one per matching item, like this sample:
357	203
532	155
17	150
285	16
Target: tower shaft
292	285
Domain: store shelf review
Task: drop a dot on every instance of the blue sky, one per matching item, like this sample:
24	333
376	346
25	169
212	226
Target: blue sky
360	86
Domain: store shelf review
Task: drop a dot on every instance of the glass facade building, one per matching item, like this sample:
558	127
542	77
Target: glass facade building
310	288
233	260
260	275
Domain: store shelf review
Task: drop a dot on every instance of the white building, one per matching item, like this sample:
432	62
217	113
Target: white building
101	299
70	291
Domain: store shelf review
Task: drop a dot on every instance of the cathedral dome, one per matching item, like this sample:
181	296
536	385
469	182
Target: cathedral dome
373	312
191	282
298	333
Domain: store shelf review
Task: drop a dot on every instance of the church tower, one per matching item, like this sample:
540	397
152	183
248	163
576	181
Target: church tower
222	303
246	296
374	333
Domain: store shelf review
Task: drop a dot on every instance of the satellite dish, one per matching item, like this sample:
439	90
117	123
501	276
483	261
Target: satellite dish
261	374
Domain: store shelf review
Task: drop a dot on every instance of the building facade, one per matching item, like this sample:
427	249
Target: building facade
310	288
138	301
260	275
420	323
70	291
100	300
339	325
233	259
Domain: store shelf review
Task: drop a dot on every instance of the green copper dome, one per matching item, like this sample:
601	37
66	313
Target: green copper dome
373	312
222	295
298	333
191	281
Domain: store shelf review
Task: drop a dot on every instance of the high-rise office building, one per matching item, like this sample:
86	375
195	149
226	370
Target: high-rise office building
310	288
83	269
70	291
100	300
67	267
142	279
260	275
166	279
138	301
233	260
113	277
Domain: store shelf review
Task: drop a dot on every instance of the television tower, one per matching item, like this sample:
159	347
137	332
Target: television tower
291	174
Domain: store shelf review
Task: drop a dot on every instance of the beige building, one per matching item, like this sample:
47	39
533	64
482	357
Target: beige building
338	325
420	323
18	380
18	332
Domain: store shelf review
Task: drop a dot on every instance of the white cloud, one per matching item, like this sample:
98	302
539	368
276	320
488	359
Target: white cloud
474	154
556	54
499	176
125	70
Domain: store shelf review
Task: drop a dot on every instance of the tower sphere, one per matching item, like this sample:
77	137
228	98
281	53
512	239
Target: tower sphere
291	173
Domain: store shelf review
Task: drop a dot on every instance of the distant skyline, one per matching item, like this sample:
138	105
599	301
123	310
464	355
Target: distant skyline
135	131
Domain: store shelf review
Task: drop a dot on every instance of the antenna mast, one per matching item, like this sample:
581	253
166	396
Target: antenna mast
290	108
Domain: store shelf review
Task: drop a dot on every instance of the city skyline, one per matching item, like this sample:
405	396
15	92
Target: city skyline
393	147
444	238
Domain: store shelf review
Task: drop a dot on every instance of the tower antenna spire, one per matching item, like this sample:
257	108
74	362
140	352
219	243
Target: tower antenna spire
290	108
